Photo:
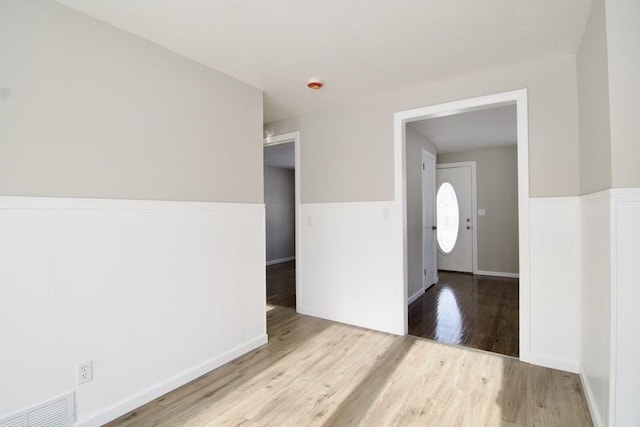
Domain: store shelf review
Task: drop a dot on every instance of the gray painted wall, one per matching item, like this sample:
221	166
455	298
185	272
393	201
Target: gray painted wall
623	52
415	144
347	151
279	200
608	63
90	111
497	182
593	105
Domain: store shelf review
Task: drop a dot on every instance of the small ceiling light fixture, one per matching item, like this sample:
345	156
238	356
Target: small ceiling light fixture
315	84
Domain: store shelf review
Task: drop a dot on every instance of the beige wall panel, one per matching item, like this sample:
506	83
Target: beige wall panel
90	111
593	105
347	151
623	41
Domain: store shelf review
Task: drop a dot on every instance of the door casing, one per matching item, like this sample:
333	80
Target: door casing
293	137
400	119
429	263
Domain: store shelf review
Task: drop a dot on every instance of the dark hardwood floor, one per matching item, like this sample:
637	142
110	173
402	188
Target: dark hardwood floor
472	311
281	284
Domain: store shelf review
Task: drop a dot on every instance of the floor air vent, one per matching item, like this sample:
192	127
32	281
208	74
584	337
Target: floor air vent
58	412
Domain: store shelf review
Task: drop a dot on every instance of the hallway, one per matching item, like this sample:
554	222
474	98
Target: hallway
281	284
473	311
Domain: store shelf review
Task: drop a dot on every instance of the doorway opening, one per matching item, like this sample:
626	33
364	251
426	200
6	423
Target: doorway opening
282	209
456	244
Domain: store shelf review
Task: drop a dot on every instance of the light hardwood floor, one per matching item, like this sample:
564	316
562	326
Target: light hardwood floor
319	373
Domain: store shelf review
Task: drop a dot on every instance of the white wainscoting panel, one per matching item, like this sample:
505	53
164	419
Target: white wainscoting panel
154	293
596	303
555	281
625	258
350	267
36	311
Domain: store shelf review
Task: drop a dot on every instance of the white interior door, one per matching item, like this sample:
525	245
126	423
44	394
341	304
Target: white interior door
454	218
428	219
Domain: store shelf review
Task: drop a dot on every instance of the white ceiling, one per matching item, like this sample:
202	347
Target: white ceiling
476	130
280	156
357	47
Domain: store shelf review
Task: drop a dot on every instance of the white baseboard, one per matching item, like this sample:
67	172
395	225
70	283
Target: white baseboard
280	260
374	324
497	274
415	296
554	363
122	407
591	403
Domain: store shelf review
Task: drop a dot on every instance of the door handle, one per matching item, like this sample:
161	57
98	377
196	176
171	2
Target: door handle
433	227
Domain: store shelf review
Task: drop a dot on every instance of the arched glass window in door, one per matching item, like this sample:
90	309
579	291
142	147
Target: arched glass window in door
447	217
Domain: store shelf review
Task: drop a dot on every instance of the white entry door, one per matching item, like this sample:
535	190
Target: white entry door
454	217
428	219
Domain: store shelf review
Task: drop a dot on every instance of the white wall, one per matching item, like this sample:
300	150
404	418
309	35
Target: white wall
279	201
154	293
415	144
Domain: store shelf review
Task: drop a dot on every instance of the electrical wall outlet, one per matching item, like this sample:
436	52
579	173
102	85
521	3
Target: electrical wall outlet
85	372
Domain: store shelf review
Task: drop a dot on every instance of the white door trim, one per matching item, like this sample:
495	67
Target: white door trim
283	139
400	119
433	279
474	207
